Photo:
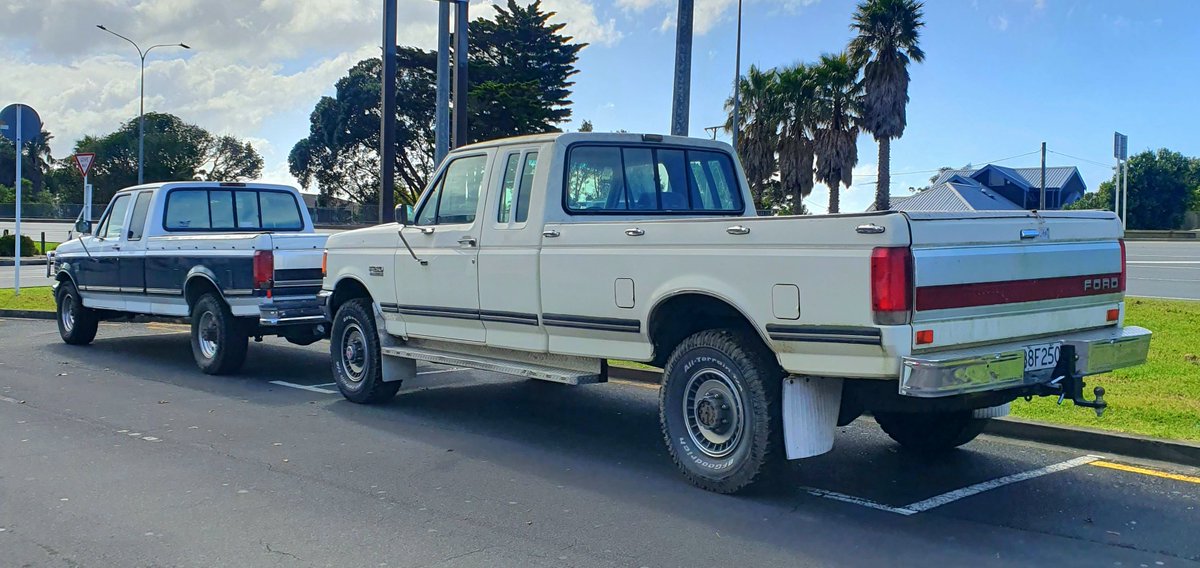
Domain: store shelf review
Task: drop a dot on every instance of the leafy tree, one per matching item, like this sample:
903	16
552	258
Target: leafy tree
36	162
838	100
520	67
586	126
887	41
1162	186
228	159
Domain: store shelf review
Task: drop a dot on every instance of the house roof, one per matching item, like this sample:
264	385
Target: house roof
958	194
1056	177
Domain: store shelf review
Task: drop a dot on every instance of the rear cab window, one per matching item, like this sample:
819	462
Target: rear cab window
650	179
229	209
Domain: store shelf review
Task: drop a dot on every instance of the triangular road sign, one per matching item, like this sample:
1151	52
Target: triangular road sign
83	161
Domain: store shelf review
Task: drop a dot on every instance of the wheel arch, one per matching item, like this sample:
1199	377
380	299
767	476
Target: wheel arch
677	315
199	281
346	289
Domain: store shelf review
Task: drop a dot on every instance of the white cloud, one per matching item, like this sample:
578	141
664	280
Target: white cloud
708	13
999	22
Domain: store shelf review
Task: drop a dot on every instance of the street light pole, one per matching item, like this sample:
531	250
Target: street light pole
142	96
737	81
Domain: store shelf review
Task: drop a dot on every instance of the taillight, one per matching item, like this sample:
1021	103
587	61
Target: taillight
264	269
1122	241
325	264
891	284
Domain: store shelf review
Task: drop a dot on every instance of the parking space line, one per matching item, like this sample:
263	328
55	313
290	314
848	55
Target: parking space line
1144	471
957	494
303	387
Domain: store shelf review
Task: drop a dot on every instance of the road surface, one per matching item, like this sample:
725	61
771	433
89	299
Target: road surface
1164	269
123	454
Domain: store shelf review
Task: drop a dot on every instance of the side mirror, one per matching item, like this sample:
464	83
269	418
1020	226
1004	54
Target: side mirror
83	227
404	214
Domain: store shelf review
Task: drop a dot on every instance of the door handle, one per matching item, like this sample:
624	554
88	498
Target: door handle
426	230
738	230
550	233
467	241
634	232
117	247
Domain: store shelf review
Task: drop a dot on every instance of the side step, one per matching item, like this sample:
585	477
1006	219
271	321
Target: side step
513	363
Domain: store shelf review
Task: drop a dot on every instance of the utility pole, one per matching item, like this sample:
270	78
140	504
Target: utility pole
1125	197
737	82
681	102
1042	202
442	127
387	119
460	74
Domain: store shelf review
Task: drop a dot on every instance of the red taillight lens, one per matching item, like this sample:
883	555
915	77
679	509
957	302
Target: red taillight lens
264	269
1113	314
891	284
1122	241
925	337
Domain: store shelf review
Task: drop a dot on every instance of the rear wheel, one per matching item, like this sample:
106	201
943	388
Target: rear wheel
720	412
354	351
76	324
219	341
932	432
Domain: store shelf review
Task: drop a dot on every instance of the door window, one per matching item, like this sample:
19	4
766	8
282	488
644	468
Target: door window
508	187
114	223
141	208
527	173
456	197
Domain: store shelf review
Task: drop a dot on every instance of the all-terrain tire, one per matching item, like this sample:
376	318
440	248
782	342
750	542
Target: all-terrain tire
721	412
355	355
76	324
932	432
219	340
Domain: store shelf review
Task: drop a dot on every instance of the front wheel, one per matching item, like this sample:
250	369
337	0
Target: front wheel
720	411
354	351
76	324
219	341
932	432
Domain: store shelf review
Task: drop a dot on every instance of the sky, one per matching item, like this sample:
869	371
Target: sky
999	78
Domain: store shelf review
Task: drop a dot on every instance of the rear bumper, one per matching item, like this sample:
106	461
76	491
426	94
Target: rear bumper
291	312
998	368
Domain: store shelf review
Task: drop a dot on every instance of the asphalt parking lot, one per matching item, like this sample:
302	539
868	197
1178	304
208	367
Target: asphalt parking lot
123	454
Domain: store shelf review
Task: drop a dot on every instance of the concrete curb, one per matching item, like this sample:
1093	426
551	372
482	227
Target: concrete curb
27	314
30	261
1088	439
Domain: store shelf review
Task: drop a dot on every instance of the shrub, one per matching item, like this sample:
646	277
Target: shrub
27	246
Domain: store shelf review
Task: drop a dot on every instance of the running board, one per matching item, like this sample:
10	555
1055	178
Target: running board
530	365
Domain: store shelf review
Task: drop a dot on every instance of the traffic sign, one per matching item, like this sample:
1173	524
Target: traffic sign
83	161
1120	146
30	123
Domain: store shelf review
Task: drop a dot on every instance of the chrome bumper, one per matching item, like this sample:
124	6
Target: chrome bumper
291	312
977	371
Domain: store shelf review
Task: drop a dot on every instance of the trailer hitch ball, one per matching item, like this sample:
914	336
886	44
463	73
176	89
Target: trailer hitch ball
1100	404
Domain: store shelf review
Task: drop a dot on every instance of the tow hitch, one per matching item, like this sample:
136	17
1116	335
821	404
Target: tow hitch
1068	384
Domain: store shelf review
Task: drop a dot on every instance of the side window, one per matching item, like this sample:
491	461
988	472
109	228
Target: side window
672	181
220	209
137	223
278	211
508	186
639	174
246	203
114	225
594	179
456	198
714	182
523	194
187	210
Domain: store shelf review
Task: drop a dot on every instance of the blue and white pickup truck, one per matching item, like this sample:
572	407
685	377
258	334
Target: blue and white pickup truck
239	260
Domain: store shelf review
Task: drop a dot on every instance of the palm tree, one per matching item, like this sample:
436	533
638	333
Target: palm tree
796	85
837	101
759	138
888	34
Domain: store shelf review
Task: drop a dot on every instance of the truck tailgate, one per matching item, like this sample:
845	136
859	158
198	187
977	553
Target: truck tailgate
1001	276
297	263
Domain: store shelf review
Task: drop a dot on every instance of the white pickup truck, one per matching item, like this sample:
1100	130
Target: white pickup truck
240	260
547	256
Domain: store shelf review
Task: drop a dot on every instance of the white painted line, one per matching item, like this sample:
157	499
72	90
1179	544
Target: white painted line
1164	298
857	501
946	498
303	387
325	385
1162	262
978	488
441	371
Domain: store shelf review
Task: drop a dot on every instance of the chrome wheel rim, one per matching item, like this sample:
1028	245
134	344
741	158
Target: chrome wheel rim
714	413
209	334
354	352
67	314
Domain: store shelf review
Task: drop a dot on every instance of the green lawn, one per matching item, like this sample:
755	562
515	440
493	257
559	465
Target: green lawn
40	298
49	247
1160	398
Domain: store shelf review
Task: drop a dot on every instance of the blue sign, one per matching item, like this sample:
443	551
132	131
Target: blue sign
31	123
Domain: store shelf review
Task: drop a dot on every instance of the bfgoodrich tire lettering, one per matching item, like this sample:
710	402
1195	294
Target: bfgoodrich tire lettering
218	340
354	352
76	324
931	433
719	408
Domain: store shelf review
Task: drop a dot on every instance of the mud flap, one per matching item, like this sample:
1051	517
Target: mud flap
810	415
394	368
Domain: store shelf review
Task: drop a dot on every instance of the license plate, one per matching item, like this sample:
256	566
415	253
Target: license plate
1045	356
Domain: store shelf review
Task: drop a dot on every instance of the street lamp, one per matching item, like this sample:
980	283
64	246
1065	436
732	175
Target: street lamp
737	81
142	97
